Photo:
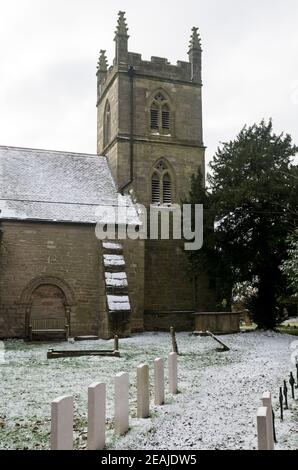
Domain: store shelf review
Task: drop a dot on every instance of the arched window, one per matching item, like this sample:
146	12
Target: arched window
160	115
107	124
161	184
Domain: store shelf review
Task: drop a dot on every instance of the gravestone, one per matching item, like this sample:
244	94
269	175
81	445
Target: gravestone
96	416
121	403
62	423
143	391
263	428
267	402
159	386
173	376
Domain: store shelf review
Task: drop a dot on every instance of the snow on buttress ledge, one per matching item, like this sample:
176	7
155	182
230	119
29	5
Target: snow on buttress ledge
113	260
118	302
112	246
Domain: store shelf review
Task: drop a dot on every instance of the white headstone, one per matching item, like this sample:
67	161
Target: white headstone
266	401
262	427
121	403
62	423
159	382
173	378
143	391
96	416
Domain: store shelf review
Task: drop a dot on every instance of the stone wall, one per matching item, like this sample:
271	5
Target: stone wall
167	285
68	256
170	287
112	96
134	254
162	321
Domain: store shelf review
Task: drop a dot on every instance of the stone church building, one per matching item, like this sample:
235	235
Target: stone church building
53	269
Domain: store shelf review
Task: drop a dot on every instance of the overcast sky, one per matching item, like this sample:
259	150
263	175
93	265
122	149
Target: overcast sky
49	50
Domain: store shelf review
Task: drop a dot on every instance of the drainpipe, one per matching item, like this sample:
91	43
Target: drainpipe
131	72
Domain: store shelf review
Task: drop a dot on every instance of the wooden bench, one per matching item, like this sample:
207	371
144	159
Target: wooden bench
39	326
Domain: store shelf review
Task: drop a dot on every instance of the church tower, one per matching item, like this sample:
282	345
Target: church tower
150	128
150	111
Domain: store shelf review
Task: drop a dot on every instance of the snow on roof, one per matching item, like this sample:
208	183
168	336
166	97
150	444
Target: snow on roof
55	186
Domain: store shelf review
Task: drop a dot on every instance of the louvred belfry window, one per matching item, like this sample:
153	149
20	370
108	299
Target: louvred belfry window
155	184
165	117
161	184
154	117
166	189
160	115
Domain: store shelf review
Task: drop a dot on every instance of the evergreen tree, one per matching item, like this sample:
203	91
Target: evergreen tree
290	265
253	203
209	258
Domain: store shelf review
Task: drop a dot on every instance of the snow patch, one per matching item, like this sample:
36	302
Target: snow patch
116	281
112	246
118	302
113	260
216	409
120	275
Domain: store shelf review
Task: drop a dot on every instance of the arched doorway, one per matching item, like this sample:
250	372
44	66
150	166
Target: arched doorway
48	301
48	312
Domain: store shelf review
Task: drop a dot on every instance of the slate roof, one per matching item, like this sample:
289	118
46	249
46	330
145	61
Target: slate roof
55	186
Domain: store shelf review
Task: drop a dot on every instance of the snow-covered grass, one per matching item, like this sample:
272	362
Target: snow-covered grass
215	409
289	326
291	321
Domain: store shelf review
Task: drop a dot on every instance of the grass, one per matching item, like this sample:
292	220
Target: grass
289	330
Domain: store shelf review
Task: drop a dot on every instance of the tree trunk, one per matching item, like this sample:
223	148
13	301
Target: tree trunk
266	303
